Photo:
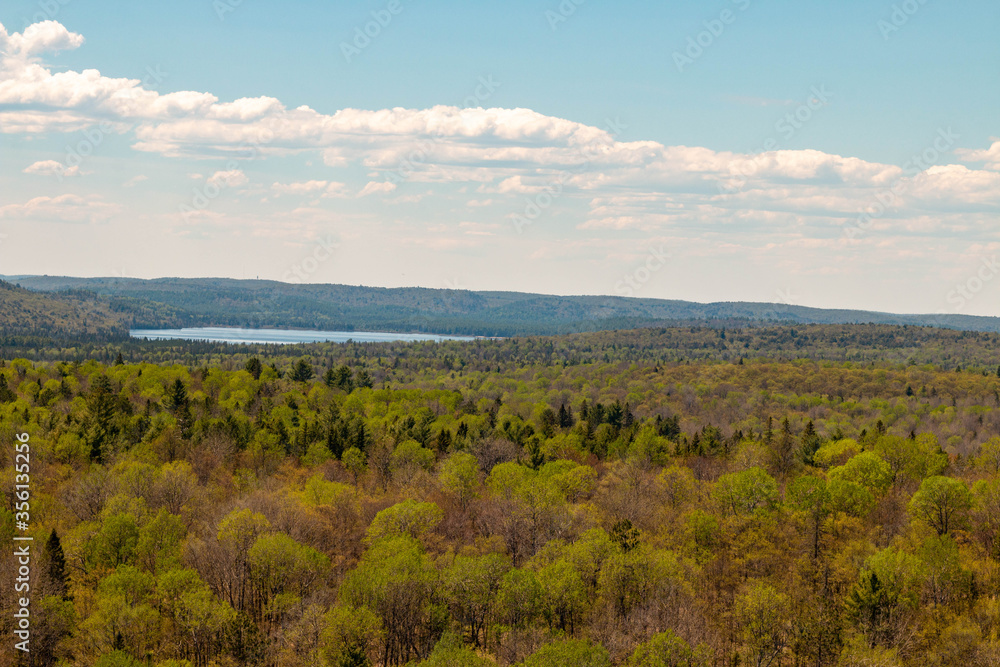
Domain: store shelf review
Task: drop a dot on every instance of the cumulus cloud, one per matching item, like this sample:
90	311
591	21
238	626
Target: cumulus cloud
991	155
51	168
231	178
512	153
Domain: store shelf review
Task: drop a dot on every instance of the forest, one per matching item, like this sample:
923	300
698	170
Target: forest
185	302
766	496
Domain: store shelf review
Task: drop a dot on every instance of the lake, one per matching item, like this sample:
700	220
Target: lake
285	336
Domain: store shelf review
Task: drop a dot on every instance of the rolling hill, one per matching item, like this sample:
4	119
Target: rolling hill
170	302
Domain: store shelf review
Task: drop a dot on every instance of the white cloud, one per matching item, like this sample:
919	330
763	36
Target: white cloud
511	153
135	180
991	155
302	188
374	187
232	178
64	208
51	168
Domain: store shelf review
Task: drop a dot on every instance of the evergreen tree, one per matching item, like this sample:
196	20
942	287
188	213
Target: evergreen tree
56	569
254	367
303	371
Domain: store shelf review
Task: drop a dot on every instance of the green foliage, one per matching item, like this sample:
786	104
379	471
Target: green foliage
214	511
867	469
746	491
943	503
569	653
460	476
666	649
762	613
409	517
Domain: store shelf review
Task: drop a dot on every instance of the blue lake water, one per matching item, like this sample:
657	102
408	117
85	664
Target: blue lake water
285	336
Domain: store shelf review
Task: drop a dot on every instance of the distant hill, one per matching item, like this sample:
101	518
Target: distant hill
169	302
69	315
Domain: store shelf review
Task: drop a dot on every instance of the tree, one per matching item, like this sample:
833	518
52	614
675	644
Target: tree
519	598
564	596
302	371
177	402
351	636
746	491
942	502
666	649
409	517
762	613
887	587
56	567
867	469
460	475
811	496
449	652
254	367
471	584
354	461
570	653
989	456
102	410
396	581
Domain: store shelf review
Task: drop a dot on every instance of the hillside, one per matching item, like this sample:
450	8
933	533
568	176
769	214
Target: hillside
260	303
70	315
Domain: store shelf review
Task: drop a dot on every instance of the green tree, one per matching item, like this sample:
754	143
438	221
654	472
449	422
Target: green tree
746	491
471	584
302	371
666	649
943	503
396	581
406	518
254	367
351	636
56	565
564	596
763	615
570	653
460	476
867	469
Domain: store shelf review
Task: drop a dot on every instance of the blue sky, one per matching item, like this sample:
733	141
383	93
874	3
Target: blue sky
609	155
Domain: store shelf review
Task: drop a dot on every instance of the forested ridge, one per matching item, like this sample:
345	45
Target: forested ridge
644	498
174	302
70	315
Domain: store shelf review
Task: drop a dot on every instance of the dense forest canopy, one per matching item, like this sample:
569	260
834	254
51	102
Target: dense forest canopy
172	302
809	495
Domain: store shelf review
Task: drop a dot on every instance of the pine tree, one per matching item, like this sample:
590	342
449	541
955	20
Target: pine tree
303	371
254	367
57	565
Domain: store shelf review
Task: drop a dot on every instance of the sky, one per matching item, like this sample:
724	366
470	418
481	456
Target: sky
839	155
